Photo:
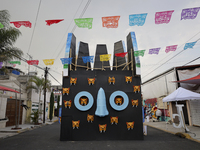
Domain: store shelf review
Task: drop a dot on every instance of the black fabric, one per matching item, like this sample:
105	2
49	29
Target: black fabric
101	50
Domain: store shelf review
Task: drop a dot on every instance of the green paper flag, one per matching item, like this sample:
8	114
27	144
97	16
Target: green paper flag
139	53
15	62
137	65
84	22
65	66
1	25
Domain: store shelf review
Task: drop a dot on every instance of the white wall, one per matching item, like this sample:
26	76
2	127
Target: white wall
160	86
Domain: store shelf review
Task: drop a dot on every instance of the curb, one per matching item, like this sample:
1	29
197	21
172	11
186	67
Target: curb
183	135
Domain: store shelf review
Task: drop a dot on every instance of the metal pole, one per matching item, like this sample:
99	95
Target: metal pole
19	105
16	125
45	76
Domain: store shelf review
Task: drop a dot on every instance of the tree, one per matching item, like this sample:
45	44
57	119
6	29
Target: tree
58	105
38	84
51	106
8	36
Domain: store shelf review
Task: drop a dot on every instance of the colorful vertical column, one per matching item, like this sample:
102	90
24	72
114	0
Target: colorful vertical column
131	48
70	52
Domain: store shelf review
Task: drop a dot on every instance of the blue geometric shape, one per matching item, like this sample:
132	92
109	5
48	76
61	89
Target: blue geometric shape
90	99
101	109
112	100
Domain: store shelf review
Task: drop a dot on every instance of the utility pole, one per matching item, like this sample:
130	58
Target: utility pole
45	77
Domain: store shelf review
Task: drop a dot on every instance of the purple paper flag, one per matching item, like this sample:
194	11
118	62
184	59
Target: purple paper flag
189	13
154	51
163	17
1	64
171	48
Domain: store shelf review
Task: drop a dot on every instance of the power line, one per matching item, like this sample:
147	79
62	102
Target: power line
66	32
171	57
85	8
191	61
34	27
55	79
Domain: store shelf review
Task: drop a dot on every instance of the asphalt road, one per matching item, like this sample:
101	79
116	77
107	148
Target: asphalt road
47	138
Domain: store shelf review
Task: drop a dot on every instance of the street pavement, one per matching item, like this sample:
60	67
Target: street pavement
192	134
47	137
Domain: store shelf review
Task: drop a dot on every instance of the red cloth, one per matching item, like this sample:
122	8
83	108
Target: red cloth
121	54
50	22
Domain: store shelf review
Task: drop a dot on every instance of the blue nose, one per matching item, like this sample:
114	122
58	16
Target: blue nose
101	109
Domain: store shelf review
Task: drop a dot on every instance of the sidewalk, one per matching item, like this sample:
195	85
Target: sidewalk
8	131
193	134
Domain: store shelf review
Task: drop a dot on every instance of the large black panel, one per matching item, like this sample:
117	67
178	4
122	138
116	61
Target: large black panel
90	131
101	50
83	51
118	48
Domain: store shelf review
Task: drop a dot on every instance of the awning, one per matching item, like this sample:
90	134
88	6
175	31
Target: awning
193	80
8	89
182	94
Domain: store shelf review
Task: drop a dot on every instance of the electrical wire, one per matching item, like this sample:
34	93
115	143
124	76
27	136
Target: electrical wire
84	10
66	33
171	57
34	27
54	78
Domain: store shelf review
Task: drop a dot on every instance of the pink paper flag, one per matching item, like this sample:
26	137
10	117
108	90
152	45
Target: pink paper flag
163	17
171	48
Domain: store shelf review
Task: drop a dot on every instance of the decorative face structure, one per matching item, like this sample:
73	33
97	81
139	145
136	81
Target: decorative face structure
111	80
68	103
130	125
102	128
134	102
90	118
91	81
66	90
136	88
75	124
128	79
73	81
114	120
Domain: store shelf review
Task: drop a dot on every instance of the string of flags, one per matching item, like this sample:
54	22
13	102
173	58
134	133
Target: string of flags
113	21
105	57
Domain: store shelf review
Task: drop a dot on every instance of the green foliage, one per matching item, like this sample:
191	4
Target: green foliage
8	36
58	105
38	84
51	106
34	116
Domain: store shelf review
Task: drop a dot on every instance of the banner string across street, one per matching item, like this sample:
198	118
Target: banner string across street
113	22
